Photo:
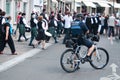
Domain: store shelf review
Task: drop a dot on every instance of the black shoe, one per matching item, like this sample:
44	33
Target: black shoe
88	58
77	66
33	46
26	39
39	43
30	44
19	41
56	41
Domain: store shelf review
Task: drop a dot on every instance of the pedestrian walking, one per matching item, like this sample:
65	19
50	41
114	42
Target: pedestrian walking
53	28
18	21
111	24
117	28
22	26
68	19
60	24
33	25
2	31
41	37
106	25
8	38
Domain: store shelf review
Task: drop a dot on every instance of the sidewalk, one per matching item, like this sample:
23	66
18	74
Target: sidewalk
24	51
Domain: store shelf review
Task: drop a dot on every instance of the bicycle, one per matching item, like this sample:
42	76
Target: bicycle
74	56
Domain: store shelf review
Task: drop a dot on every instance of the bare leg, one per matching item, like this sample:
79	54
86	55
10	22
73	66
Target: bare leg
90	50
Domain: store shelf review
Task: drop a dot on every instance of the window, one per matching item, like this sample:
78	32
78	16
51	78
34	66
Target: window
24	7
8	7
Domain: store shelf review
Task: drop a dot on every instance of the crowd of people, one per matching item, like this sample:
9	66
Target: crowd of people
55	24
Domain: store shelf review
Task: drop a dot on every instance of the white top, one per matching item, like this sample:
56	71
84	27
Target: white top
25	22
111	21
3	20
68	20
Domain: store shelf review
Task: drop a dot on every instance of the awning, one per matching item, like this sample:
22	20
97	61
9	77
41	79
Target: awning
90	4
116	5
103	4
78	4
54	1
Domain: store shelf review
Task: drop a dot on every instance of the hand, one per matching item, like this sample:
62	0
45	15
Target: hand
6	38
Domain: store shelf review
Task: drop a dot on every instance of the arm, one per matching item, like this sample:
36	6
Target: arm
7	32
55	22
35	21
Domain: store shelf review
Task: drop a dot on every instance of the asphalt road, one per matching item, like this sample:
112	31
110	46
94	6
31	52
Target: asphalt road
45	65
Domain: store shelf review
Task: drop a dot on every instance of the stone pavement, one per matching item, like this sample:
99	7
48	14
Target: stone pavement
21	48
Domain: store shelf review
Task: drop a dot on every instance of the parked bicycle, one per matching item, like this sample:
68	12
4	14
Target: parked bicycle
75	55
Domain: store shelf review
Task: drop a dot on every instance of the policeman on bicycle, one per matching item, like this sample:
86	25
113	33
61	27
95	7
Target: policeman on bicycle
80	34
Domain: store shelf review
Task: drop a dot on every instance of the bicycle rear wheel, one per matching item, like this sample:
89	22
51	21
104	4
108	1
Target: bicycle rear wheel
69	61
100	58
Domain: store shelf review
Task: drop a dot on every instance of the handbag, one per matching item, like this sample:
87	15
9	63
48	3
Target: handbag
27	29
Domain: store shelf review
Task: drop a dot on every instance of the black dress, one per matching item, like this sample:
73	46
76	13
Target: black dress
41	34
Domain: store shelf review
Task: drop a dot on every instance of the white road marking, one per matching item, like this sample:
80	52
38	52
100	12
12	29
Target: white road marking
114	75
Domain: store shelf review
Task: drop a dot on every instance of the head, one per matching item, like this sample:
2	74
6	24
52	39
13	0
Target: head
33	15
8	18
44	10
0	11
3	13
20	13
40	18
79	16
59	11
23	14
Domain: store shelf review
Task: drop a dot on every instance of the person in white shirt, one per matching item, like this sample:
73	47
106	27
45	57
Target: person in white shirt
68	19
111	24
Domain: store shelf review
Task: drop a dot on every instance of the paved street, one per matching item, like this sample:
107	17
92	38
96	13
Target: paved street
45	65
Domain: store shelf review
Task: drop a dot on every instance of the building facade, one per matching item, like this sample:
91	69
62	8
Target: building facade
12	7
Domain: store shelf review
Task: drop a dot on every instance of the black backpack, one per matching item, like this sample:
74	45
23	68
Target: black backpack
2	29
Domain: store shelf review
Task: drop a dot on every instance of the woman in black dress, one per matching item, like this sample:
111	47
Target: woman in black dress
41	37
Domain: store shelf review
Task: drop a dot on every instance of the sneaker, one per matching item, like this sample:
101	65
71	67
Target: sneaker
88	58
77	66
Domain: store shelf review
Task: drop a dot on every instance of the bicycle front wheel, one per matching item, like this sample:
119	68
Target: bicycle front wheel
100	58
69	61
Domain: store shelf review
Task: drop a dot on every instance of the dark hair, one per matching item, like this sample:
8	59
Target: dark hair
59	11
44	10
0	11
23	14
20	13
3	13
79	15
9	17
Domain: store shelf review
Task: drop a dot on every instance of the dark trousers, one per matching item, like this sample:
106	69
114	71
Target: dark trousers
21	36
33	34
111	31
2	43
10	43
67	35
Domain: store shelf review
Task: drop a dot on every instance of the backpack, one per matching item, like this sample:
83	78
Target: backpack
75	29
2	30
